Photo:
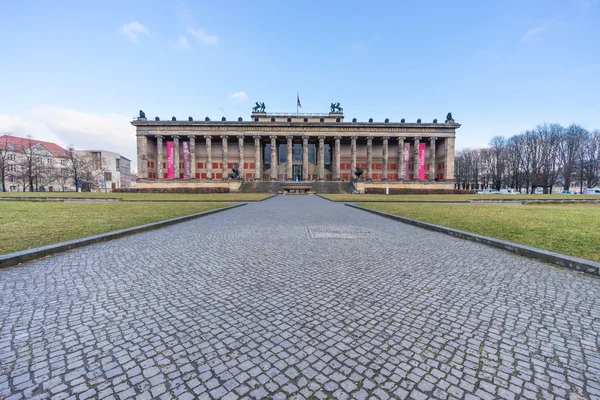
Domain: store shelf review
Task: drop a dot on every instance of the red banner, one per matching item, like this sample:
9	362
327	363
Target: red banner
170	160
186	160
406	160
422	161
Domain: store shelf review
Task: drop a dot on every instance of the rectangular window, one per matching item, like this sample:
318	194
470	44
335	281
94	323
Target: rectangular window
118	161
107	176
97	160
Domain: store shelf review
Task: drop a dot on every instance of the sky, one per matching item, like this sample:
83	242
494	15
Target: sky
78	72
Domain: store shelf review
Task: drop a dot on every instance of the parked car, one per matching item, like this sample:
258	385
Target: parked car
487	191
538	191
568	192
509	191
591	191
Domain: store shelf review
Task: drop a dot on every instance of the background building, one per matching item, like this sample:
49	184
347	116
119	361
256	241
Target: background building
107	171
27	164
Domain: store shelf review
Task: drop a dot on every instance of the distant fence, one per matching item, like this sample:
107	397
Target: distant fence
175	190
417	191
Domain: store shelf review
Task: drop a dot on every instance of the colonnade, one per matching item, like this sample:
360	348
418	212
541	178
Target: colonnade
335	160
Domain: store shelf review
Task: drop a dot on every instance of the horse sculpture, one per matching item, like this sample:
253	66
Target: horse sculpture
335	108
260	107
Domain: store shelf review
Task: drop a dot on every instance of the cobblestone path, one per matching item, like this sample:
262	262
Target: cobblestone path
296	297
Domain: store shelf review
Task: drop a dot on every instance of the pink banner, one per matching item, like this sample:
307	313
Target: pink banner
170	160
186	160
422	161
406	160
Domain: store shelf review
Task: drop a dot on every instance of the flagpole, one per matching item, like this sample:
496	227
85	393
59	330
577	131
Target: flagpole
297	94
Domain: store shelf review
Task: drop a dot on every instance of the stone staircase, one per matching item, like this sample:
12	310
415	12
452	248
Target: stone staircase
260	187
332	187
276	187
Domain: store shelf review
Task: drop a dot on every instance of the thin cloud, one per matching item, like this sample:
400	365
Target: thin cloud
133	31
586	69
583	4
534	34
180	44
359	49
205	38
240	96
84	130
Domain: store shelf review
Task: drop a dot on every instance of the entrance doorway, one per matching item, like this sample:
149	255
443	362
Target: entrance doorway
297	173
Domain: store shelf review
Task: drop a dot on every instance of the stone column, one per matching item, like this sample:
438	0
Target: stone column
257	159
241	155
159	157
384	166
192	157
416	158
142	157
290	148
432	158
370	158
449	175
352	157
224	158
274	158
176	156
304	158
400	159
208	157
321	158
337	151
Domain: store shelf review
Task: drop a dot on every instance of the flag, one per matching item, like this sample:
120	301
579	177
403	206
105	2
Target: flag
298	98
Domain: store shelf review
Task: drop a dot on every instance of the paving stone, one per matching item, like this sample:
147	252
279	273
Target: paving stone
296	297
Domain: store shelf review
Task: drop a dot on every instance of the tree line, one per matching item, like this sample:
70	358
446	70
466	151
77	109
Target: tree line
546	156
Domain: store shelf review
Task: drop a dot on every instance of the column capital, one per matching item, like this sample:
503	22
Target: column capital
369	137
433	138
241	136
273	137
207	137
305	137
337	138
175	137
257	137
354	137
401	138
224	136
321	137
289	137
417	138
386	138
192	136
158	136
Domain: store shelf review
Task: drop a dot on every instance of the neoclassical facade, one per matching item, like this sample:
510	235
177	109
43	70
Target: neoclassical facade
295	147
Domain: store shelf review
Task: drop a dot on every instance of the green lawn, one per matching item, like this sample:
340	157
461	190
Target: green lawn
451	197
25	225
572	229
147	196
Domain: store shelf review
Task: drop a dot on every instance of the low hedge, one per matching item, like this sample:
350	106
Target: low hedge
197	190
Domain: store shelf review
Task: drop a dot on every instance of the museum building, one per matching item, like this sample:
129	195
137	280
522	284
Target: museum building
294	147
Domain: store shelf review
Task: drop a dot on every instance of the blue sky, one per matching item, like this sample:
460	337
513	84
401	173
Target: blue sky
76	72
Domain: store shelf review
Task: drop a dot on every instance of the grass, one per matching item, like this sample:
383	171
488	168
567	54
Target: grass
147	196
451	197
26	225
572	229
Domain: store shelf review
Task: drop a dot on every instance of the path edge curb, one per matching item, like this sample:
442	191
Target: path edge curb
562	260
12	259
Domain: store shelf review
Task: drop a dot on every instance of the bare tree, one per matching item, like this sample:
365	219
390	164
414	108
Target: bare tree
569	147
3	160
